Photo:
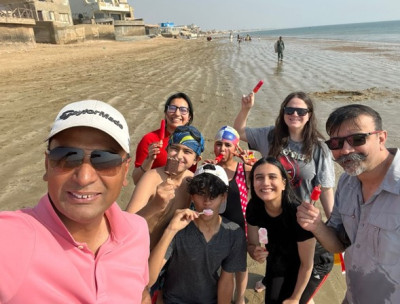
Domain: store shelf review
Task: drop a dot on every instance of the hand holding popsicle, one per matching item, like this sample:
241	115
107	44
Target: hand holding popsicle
315	194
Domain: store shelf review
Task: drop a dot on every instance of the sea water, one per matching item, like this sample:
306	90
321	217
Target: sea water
385	31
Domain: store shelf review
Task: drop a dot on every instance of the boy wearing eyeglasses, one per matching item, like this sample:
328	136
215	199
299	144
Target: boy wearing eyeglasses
203	249
76	245
365	219
162	190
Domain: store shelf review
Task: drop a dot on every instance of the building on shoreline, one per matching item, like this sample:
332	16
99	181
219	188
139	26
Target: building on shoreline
101	11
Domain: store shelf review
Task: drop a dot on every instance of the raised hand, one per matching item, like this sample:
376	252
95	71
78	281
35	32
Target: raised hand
248	101
246	155
154	149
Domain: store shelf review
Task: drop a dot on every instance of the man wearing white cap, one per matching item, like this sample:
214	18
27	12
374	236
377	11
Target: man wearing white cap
199	244
76	245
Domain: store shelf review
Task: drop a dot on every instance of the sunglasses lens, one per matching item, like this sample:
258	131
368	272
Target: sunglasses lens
301	112
357	139
335	143
66	158
103	160
289	111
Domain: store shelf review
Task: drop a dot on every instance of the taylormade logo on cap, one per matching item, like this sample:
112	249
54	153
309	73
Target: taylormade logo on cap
95	114
70	113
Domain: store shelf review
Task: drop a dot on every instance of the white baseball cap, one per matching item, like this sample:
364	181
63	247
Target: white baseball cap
219	172
95	114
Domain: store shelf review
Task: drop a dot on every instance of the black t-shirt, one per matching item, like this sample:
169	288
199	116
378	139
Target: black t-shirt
283	235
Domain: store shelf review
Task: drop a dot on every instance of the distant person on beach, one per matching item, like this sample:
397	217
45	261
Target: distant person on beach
289	249
76	245
151	152
203	249
296	142
366	215
226	144
162	190
279	48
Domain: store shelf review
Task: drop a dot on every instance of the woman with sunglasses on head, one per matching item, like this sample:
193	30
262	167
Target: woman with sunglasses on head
288	249
151	151
295	141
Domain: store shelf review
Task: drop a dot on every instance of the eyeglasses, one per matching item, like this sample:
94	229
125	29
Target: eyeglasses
172	109
68	158
299	111
354	140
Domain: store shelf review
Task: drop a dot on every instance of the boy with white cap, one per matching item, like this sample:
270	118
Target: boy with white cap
76	245
200	243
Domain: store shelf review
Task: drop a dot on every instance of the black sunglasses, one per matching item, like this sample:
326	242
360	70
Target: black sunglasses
354	140
299	111
173	109
69	158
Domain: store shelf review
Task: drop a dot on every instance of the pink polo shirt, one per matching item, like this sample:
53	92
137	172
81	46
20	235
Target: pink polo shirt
41	263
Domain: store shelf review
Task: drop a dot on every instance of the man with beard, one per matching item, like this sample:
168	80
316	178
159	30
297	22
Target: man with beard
365	220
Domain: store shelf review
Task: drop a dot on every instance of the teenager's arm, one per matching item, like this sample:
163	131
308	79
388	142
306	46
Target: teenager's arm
225	287
180	220
241	118
306	253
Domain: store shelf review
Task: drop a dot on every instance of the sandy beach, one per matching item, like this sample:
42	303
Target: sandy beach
137	77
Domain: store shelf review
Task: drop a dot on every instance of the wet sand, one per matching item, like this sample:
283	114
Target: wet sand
137	77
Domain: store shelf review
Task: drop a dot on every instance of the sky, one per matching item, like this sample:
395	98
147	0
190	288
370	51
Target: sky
264	14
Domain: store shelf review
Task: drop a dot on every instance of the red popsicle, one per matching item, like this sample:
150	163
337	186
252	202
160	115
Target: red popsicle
218	158
258	86
315	194
162	129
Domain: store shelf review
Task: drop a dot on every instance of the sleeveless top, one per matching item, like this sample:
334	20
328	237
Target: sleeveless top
237	198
